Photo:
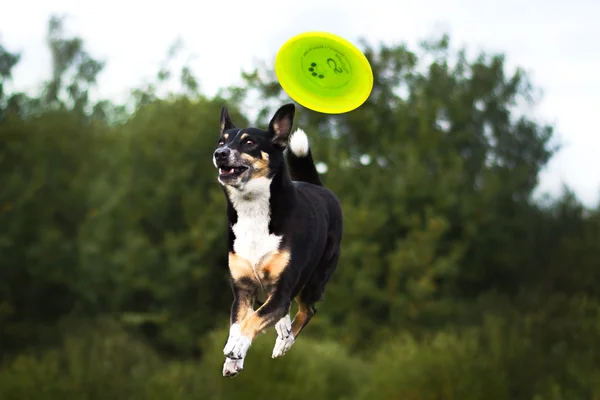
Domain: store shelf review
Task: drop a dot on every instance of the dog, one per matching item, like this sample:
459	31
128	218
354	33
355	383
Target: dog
284	231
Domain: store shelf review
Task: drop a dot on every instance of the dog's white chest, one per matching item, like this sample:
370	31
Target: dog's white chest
252	238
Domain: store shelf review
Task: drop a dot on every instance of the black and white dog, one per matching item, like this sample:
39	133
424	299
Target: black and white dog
284	234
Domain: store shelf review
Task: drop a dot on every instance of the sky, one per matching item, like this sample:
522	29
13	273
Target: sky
555	41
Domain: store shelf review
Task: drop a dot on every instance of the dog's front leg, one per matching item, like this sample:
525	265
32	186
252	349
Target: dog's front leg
276	306
244	294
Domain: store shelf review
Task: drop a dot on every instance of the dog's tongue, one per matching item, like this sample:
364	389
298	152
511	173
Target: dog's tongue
225	172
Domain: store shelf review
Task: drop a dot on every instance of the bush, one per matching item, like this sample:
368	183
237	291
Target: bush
446	367
521	357
102	361
525	358
310	370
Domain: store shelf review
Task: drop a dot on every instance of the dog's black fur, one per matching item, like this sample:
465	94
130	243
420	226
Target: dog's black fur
302	245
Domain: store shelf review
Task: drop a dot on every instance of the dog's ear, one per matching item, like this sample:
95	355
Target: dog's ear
226	122
281	124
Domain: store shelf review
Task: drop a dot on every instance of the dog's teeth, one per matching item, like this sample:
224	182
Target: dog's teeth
227	171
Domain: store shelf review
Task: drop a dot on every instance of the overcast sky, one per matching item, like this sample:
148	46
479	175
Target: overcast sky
557	42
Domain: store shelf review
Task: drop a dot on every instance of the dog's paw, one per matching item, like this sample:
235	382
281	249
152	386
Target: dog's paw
237	344
285	338
282	346
283	327
232	367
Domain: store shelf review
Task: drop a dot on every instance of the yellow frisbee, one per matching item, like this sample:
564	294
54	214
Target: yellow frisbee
324	72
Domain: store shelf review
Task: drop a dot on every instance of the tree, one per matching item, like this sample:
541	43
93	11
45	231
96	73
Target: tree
8	61
435	170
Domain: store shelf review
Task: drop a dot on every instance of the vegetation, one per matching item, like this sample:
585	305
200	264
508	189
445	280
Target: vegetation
454	282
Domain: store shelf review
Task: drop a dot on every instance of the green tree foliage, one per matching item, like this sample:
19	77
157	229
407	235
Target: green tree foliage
454	283
436	172
101	217
74	71
503	359
8	60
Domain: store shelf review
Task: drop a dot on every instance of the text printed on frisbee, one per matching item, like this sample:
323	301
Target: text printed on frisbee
326	67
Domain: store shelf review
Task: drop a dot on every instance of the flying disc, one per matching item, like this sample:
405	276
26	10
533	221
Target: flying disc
324	72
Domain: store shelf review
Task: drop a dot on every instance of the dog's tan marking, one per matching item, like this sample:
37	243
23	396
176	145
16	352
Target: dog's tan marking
245	308
304	314
260	166
240	267
254	323
271	268
274	264
226	136
248	158
244	136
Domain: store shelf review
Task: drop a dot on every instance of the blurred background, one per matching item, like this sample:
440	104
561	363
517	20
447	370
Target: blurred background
471	258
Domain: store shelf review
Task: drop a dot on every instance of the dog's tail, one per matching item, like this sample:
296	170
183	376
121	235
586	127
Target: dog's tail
300	161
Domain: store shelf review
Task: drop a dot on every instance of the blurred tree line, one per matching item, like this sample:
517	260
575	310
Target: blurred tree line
454	283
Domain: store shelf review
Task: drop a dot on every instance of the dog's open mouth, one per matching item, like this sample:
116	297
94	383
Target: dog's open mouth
231	171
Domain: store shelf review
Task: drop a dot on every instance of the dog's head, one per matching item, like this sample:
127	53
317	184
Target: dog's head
243	155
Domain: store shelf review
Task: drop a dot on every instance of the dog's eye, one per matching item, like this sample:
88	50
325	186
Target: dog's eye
220	143
249	142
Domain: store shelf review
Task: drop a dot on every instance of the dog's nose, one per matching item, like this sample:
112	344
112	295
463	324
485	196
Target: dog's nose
222	154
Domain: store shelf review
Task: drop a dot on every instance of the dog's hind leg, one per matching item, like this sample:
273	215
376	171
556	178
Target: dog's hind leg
315	288
287	331
311	293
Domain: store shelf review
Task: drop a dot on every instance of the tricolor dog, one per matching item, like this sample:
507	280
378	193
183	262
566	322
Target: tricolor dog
284	231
